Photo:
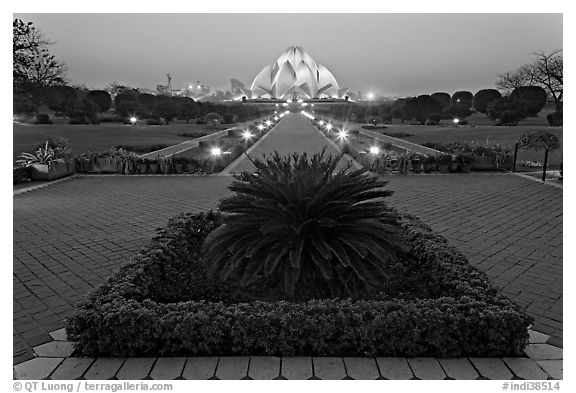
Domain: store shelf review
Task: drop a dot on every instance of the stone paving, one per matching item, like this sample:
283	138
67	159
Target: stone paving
69	236
292	134
53	363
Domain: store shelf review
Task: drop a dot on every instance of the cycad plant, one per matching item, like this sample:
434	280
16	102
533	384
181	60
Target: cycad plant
300	228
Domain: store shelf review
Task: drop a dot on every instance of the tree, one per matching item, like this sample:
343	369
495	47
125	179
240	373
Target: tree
57	98
398	110
115	88
213	118
497	107
545	71
101	98
167	110
421	107
483	97
188	110
148	100
533	98
463	98
33	65
442	98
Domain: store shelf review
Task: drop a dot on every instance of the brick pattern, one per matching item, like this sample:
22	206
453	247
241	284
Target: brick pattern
69	236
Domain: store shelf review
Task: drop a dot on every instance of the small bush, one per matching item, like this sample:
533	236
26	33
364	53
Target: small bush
154	122
508	118
161	303
193	135
42	118
21	175
228	118
555	119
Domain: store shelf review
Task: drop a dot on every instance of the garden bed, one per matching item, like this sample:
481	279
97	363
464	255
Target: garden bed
161	303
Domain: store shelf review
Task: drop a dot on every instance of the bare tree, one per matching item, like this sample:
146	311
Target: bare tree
546	71
33	65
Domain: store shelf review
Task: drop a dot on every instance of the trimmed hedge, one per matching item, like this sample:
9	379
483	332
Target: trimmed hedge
160	303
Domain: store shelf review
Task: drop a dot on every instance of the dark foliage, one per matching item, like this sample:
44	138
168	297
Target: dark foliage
161	303
483	97
463	98
101	98
298	226
442	98
532	98
555	119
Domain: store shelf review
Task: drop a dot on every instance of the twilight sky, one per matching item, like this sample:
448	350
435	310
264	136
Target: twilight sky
390	54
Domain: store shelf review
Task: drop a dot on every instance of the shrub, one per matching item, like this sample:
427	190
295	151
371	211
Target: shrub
228	118
21	175
167	110
43	118
162	303
154	122
213	118
555	119
499	105
201	120
336	243
193	134
433	119
508	118
539	140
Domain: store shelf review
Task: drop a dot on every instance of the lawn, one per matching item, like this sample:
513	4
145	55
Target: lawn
482	130
96	138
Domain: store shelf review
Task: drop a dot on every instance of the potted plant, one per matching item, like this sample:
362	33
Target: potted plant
167	165
428	163
153	166
403	164
415	162
444	161
143	165
128	163
180	164
44	164
464	161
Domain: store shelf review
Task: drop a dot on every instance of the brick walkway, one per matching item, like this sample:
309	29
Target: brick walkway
69	236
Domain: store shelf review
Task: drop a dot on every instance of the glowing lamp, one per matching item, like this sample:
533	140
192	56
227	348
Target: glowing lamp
328	127
374	150
133	120
342	135
247	135
456	121
216	151
260	127
268	123
321	122
276	118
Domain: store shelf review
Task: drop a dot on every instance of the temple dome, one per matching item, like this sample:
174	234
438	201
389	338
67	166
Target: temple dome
295	74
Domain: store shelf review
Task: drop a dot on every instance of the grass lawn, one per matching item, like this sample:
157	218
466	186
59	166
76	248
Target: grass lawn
482	130
96	138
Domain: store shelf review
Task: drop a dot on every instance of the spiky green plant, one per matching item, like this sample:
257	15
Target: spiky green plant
299	226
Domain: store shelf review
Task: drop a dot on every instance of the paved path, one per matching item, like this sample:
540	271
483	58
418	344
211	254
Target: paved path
292	134
68	237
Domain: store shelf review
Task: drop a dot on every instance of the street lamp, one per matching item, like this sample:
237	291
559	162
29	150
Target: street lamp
456	121
328	126
268	123
374	150
260	127
247	135
342	135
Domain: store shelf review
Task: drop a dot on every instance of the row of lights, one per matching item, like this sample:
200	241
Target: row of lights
342	134
246	135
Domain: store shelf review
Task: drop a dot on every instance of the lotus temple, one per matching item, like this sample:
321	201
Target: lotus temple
295	75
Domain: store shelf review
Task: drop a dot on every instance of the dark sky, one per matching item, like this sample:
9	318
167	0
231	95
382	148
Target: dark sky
390	54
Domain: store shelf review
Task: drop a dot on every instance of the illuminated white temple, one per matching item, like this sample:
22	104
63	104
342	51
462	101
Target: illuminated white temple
295	75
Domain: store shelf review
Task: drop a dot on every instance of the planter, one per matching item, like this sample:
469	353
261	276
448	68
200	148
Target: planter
83	165
179	168
106	165
142	168
444	168
453	167
428	167
153	168
46	172
415	166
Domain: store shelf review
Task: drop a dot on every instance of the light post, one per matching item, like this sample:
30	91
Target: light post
133	120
